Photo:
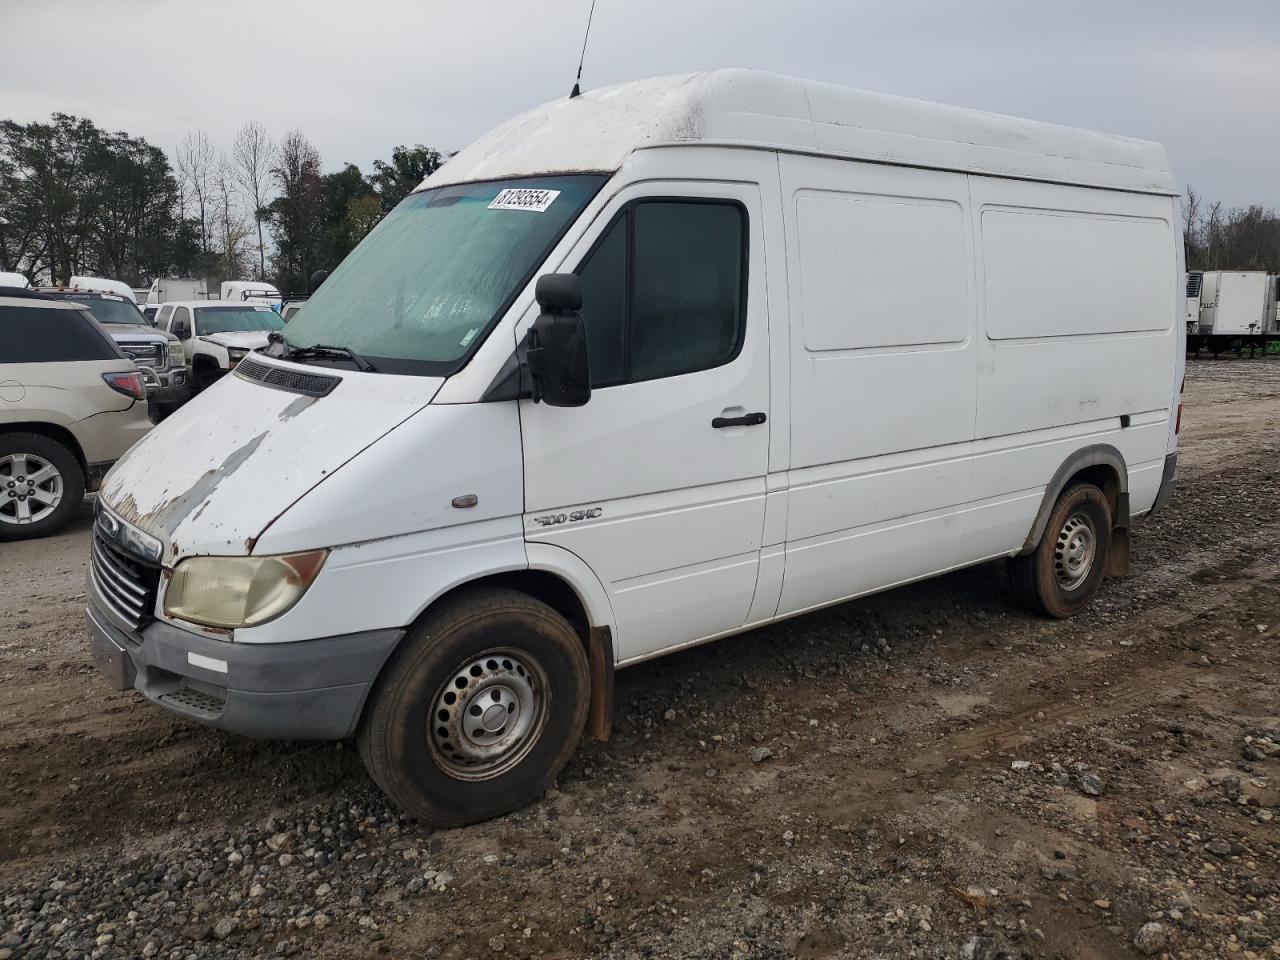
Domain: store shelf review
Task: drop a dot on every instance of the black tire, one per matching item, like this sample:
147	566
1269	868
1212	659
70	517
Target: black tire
1048	581
203	377
69	471
398	738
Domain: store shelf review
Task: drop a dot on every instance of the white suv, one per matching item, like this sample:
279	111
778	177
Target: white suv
71	404
216	335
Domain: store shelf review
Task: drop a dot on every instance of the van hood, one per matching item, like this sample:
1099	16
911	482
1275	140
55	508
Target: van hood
213	476
239	339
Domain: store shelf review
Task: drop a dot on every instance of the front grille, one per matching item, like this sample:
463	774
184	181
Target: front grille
282	378
154	355
125	584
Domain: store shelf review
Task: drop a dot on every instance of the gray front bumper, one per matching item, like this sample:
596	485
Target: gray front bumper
166	386
312	690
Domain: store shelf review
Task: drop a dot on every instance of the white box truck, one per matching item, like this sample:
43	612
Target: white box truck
165	289
1236	311
640	369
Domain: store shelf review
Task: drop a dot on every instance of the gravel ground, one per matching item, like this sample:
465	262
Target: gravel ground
927	773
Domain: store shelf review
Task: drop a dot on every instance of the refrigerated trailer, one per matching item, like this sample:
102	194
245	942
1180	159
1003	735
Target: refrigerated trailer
1237	310
1195	278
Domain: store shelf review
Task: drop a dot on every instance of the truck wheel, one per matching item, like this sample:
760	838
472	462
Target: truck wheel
41	486
202	378
478	710
1065	570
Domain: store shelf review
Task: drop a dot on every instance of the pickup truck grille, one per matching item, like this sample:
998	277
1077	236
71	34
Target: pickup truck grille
155	355
126	585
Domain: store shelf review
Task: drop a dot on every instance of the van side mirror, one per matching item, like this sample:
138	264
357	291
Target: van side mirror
557	344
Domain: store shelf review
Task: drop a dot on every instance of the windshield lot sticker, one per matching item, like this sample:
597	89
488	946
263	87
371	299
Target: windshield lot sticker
524	198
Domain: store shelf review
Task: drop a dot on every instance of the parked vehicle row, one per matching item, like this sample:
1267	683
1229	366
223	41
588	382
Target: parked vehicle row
71	404
159	356
641	369
216	335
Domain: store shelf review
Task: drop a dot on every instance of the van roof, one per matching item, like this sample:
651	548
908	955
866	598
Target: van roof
596	132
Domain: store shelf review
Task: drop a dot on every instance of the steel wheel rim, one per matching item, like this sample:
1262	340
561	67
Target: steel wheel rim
488	714
1074	552
30	488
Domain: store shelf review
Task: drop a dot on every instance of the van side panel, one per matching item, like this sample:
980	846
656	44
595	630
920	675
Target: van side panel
883	368
1078	301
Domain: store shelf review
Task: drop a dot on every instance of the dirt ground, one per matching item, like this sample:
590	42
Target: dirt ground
928	773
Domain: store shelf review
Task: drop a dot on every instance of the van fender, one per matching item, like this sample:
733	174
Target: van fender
1099	454
574	571
602	655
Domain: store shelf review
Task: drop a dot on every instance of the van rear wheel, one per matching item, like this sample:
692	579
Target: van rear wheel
479	709
1065	570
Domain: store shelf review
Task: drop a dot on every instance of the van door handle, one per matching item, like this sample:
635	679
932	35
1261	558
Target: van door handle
746	420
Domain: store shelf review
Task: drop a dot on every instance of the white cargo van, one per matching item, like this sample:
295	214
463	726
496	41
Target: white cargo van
102	285
642	369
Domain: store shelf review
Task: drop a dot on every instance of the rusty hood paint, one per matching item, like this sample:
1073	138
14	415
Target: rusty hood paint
213	476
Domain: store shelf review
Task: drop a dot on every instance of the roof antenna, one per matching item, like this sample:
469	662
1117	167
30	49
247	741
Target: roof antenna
577	90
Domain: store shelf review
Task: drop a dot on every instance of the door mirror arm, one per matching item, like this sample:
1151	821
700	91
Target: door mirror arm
556	345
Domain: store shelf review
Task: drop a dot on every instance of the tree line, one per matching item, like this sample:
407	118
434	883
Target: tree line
76	199
1240	238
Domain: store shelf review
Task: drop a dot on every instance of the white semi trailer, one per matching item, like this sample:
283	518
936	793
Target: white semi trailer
1237	310
165	289
1195	280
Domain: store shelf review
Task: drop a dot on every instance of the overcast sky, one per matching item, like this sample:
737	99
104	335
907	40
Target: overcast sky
360	77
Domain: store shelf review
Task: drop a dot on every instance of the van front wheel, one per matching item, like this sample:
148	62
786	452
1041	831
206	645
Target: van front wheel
479	709
1065	570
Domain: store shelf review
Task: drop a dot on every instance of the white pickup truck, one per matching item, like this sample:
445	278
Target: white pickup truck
215	336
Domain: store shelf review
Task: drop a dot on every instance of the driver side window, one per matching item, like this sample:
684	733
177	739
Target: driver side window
664	290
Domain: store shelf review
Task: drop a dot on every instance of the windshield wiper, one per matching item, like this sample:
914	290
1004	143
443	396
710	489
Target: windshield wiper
326	350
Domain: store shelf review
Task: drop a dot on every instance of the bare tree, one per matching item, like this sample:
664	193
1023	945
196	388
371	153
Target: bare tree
233	229
1191	227
253	155
1213	235
195	165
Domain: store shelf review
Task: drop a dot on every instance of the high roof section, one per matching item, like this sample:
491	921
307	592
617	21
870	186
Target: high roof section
598	130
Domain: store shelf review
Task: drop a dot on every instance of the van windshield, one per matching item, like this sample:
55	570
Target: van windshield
420	293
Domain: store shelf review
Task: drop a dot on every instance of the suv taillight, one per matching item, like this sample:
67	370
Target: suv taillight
130	384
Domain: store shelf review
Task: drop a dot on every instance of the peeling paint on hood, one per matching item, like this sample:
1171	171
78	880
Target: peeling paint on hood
211	477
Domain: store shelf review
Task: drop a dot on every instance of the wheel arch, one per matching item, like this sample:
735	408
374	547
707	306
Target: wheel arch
562	581
201	361
54	432
1104	466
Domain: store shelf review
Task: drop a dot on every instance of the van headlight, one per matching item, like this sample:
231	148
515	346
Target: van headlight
239	591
